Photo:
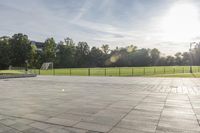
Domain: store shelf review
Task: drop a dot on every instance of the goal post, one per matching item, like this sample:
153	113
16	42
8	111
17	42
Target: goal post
47	65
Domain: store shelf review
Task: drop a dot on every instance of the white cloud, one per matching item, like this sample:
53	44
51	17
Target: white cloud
97	22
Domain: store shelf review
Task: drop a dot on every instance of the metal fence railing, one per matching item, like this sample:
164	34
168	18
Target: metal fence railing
117	71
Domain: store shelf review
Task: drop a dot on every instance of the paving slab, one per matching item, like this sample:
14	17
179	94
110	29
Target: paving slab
63	104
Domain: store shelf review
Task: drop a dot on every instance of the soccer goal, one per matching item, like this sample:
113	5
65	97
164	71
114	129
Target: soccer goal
47	65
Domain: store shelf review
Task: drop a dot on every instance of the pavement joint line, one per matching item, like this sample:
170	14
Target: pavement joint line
99	111
10	127
46	123
90	115
193	110
192	105
162	111
129	111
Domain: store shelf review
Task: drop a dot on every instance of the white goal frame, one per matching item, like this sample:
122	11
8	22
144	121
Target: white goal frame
47	65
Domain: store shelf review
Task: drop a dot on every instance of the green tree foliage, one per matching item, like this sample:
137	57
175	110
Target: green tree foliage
96	57
178	58
155	56
82	54
34	58
141	57
20	49
49	50
186	58
105	48
65	53
4	52
195	55
170	61
17	49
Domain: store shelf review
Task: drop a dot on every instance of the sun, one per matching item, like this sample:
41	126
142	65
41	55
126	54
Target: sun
181	23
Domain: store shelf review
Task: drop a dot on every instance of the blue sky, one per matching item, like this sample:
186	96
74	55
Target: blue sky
144	23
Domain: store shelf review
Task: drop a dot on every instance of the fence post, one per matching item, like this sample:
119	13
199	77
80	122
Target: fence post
53	71
88	71
105	72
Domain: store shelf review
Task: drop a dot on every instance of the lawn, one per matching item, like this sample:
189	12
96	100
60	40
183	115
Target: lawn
10	72
162	71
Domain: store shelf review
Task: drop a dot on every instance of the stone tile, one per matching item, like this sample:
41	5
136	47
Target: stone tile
180	124
36	117
4	128
40	125
123	130
8	121
72	117
2	117
138	125
93	127
177	114
20	126
24	121
57	129
60	121
11	131
34	130
102	120
161	129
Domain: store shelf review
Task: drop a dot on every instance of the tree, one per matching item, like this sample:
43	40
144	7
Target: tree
178	59
186	58
141	57
119	57
20	49
105	48
128	55
82	54
17	49
4	52
155	56
170	61
162	61
49	50
195	55
96	57
39	59
65	53
33	59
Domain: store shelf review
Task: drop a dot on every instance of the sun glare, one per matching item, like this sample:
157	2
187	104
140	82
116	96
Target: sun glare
181	23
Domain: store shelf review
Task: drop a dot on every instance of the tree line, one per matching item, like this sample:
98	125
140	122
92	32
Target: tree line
16	50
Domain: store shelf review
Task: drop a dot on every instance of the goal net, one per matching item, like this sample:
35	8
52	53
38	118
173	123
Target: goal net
47	65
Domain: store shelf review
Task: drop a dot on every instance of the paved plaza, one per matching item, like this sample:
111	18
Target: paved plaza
59	104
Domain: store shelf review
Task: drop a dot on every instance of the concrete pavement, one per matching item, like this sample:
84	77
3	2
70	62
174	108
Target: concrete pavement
59	104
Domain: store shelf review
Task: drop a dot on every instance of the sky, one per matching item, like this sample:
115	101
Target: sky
169	25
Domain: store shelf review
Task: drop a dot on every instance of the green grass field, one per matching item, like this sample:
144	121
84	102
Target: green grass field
10	72
163	71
